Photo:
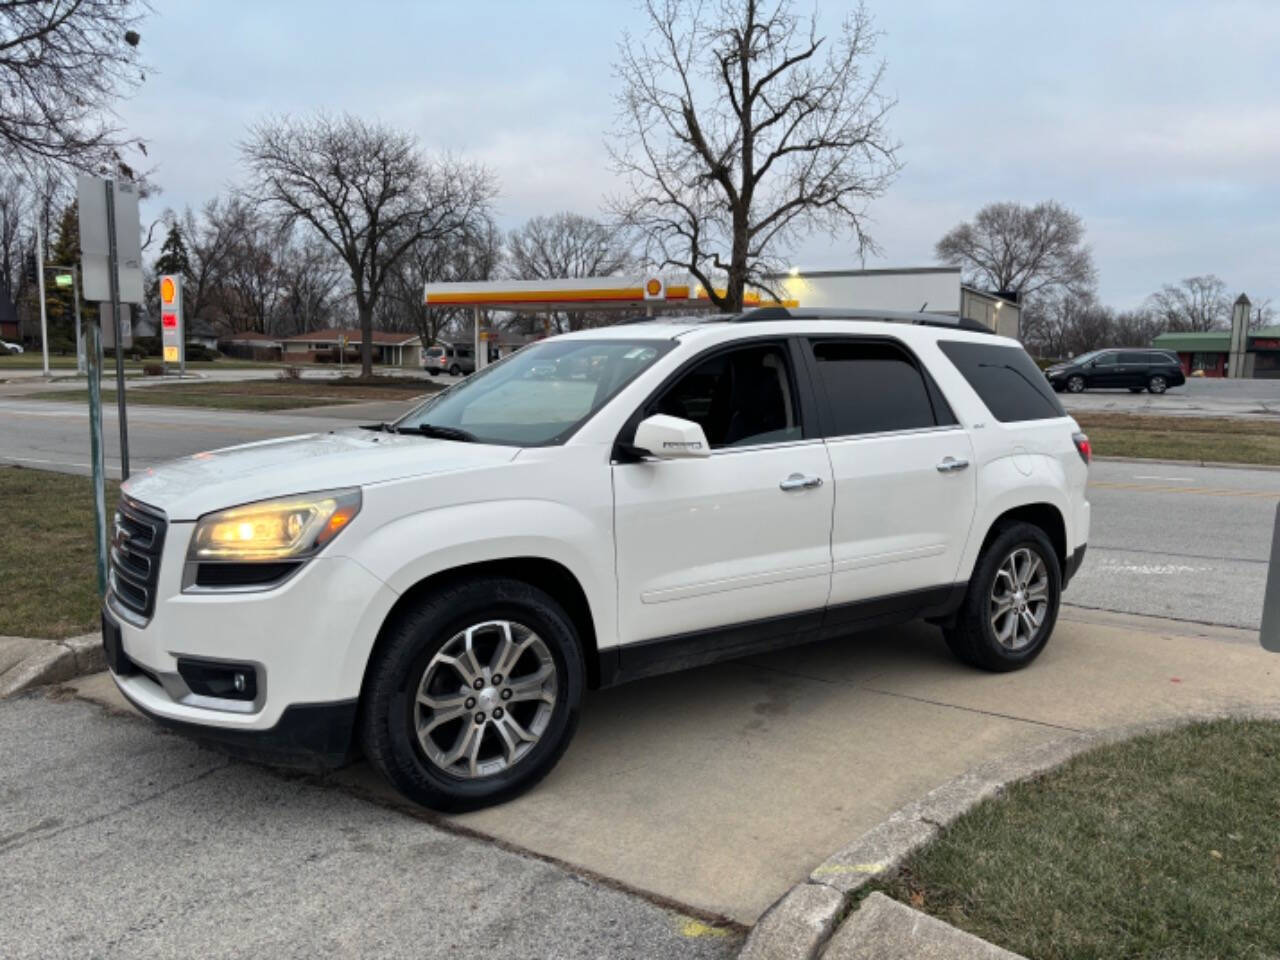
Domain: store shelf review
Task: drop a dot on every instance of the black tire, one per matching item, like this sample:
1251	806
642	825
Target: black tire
1075	384
455	371
972	637
387	726
1157	384
434	373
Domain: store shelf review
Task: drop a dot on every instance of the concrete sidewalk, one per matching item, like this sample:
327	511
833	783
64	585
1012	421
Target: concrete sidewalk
31	661
722	787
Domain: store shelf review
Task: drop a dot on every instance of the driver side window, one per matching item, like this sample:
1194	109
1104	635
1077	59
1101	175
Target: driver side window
741	397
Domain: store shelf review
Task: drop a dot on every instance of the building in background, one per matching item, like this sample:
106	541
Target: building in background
1206	354
913	289
389	347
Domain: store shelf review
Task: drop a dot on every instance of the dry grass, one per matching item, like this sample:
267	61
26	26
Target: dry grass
1183	438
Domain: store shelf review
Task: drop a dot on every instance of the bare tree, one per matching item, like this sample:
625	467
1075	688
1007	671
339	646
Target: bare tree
63	64
367	191
569	245
1194	304
1012	248
740	130
311	284
1262	314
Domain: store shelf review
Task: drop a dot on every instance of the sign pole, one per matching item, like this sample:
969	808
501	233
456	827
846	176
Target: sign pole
44	321
114	281
93	348
75	295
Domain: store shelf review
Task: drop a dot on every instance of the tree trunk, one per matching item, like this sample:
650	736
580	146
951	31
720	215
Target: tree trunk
366	340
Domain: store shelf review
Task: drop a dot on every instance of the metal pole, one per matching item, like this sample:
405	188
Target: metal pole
75	294
44	321
93	347
114	277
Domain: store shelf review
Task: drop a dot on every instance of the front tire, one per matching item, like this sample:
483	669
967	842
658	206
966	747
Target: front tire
474	695
1011	606
1075	384
1157	384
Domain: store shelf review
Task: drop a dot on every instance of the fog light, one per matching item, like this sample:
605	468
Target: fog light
227	681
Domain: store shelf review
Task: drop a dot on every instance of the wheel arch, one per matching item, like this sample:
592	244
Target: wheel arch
1047	516
547	575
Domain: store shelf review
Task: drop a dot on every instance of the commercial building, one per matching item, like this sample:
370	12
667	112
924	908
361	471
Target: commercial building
1207	354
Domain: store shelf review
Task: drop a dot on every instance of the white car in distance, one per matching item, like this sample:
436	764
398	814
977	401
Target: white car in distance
437	593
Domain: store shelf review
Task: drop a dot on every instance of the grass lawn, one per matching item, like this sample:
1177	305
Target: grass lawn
1182	438
1165	846
47	554
264	394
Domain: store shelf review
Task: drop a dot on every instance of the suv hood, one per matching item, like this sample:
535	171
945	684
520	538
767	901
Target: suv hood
187	489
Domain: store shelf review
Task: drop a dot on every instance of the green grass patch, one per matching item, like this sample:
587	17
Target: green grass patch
262	394
1165	846
1183	438
47	553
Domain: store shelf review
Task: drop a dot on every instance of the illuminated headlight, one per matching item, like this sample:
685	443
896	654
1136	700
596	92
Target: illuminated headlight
287	528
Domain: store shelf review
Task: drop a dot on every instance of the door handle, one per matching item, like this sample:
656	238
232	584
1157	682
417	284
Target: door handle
798	481
951	465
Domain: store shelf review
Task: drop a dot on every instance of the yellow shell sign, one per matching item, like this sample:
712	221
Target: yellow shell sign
167	289
653	289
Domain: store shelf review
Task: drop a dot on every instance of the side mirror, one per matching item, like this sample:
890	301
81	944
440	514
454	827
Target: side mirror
670	438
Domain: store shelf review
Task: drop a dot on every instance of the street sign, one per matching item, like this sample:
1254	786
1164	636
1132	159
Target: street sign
109	328
95	242
171	325
62	279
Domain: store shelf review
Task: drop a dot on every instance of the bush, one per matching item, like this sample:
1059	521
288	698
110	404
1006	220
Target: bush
291	372
198	351
147	346
153	369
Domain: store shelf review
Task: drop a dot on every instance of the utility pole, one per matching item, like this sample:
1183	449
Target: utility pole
93	349
114	280
44	322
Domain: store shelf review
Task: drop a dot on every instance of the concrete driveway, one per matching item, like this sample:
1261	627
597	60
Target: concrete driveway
721	787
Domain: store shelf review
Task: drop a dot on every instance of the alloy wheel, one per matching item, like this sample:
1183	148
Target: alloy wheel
485	699
1019	600
1157	385
1075	384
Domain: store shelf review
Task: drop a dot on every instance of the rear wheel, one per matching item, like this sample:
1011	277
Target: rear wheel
434	373
1012	602
1157	384
455	371
1075	384
475	695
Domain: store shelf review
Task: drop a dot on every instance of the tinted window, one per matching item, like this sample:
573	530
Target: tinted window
739	398
1007	380
1161	358
1105	359
872	387
1133	358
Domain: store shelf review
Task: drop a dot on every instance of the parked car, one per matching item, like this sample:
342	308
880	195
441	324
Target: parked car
1154	370
452	359
11	347
438	593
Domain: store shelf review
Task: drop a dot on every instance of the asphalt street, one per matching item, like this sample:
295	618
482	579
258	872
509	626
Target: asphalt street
1199	397
117	840
1186	542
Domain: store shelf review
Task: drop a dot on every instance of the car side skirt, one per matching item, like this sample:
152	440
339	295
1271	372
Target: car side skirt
649	658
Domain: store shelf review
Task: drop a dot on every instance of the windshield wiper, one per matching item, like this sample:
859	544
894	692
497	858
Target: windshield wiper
442	433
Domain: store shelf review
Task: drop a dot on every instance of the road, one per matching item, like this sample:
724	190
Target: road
117	841
1185	542
1199	397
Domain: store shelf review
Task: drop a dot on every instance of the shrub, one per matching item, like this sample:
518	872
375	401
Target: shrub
153	369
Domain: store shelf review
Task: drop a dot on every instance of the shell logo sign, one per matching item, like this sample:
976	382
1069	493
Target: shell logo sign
168	290
655	289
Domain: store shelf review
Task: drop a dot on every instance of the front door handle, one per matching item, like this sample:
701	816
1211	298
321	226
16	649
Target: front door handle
798	481
951	465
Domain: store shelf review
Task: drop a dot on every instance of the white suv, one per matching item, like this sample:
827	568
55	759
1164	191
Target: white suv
597	507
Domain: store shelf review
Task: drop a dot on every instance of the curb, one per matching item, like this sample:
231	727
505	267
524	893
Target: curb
55	662
800	923
1153	461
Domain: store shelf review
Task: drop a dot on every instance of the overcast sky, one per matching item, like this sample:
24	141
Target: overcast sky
1158	122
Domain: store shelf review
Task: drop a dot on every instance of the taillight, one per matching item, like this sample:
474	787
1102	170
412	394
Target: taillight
1083	447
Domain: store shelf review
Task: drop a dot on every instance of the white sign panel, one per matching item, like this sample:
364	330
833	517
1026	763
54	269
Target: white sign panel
109	328
91	197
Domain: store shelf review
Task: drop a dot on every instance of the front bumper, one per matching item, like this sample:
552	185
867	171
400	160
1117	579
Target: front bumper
307	640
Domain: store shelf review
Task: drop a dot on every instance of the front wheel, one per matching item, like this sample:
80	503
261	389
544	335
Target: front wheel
1157	384
1075	384
1012	602
474	696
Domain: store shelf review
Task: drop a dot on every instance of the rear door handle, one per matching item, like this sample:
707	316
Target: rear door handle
951	465
798	481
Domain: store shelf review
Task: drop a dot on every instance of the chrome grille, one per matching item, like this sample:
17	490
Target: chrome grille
137	537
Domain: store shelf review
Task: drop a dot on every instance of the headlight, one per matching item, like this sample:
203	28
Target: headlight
287	528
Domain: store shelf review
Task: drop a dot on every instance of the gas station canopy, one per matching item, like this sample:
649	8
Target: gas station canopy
649	292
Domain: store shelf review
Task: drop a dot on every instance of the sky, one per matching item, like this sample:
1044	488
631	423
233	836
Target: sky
1157	122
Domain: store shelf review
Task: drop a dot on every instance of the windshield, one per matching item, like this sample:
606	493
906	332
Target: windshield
538	395
1085	357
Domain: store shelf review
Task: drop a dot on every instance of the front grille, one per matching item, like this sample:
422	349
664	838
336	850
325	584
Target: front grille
137	538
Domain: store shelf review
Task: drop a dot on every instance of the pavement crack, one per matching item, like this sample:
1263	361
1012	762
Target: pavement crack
36	834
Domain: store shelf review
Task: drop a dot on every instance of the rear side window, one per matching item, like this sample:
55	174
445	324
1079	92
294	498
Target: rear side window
1163	359
875	387
1007	380
1133	358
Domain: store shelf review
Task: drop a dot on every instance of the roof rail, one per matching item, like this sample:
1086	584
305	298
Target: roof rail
762	314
